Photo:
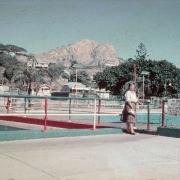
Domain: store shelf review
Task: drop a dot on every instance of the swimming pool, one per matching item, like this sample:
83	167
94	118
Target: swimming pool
155	118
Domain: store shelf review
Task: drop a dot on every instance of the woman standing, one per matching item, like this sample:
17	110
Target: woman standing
130	108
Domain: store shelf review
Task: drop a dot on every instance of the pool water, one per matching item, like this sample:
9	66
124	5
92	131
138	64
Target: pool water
141	118
155	118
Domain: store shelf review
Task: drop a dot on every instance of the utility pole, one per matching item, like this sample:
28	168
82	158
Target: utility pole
144	73
76	80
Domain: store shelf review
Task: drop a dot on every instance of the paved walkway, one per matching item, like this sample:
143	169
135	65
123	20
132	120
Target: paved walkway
112	157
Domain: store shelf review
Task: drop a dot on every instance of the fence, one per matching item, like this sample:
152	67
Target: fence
171	113
93	111
59	108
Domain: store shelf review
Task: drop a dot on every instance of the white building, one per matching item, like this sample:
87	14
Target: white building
44	90
102	93
75	88
79	89
3	89
42	65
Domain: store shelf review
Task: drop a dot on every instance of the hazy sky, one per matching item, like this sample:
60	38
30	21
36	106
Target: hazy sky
40	25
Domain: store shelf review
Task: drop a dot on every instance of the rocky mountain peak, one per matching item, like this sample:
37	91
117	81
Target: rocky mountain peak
86	52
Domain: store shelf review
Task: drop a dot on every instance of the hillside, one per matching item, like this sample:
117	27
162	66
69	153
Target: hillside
86	52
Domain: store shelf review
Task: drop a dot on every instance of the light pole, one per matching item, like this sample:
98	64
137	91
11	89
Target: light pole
77	66
167	84
144	73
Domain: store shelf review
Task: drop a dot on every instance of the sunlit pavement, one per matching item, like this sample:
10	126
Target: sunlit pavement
107	157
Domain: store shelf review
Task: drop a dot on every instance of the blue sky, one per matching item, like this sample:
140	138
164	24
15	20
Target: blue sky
40	25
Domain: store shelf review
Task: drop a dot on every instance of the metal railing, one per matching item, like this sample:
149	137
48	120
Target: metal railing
76	108
59	106
170	113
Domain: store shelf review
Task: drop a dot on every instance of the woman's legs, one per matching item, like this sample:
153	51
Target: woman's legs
130	128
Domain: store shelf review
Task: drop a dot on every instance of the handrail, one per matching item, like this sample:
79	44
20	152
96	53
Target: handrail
96	103
45	102
57	97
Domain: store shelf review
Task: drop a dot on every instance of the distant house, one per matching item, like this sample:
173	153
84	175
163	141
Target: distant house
9	91
44	90
42	65
3	89
75	88
102	93
79	89
109	65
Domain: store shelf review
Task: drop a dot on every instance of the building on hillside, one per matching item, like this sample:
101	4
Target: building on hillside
81	90
75	89
3	89
44	90
42	65
102	93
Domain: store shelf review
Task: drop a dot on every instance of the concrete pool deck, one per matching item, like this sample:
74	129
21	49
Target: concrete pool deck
106	157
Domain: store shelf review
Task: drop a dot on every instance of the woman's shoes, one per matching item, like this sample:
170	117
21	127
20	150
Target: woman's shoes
133	133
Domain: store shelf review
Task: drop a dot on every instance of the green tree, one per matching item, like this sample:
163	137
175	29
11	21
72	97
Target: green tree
14	70
163	79
82	77
141	52
55	70
114	78
11	48
12	66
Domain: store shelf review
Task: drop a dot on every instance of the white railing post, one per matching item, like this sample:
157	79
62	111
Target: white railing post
94	122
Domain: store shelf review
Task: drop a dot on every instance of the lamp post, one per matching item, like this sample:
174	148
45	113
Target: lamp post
77	66
165	87
167	84
144	73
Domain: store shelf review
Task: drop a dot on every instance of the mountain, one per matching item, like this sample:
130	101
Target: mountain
86	52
